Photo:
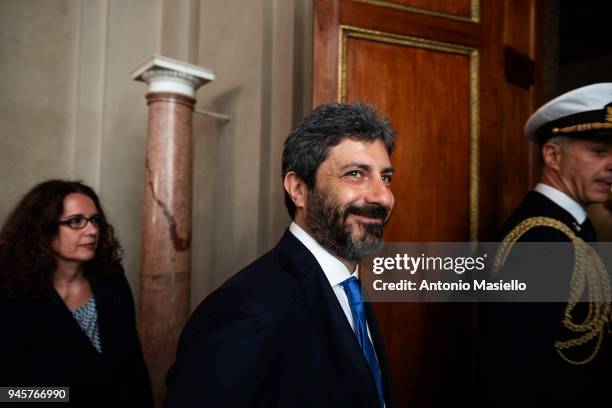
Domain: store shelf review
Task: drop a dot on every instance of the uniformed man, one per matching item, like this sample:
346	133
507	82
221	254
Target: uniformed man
557	354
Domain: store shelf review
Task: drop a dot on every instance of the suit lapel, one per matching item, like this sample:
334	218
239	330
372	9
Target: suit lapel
106	298
588	231
62	320
319	302
551	209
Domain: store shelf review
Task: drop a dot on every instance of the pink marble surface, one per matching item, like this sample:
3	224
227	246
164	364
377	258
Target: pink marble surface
166	233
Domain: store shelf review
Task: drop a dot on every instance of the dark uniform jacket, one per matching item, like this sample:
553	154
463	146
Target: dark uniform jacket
518	361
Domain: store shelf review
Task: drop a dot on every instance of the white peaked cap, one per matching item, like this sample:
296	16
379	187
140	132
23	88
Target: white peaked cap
586	105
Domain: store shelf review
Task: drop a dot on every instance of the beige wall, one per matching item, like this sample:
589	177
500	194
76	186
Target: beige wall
38	93
71	110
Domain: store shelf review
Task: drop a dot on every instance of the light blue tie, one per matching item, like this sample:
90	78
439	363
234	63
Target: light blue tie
353	292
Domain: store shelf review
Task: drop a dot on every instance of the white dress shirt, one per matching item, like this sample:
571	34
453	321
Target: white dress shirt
563	200
335	271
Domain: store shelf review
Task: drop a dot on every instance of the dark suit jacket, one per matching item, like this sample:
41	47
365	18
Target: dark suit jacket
41	344
275	335
518	361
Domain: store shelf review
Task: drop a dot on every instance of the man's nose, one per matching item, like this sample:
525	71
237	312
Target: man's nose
380	193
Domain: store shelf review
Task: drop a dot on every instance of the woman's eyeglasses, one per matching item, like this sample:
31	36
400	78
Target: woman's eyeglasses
79	221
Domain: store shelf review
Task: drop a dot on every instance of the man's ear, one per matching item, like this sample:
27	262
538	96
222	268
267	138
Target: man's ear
296	188
551	155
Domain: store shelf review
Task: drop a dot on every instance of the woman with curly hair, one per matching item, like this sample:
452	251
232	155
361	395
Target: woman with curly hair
66	310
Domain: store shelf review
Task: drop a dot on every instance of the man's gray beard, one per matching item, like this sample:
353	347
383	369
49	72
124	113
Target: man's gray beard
327	223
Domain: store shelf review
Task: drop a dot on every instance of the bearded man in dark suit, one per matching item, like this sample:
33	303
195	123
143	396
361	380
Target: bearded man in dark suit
291	329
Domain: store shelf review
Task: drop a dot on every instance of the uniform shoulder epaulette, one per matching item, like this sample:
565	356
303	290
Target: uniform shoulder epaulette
589	274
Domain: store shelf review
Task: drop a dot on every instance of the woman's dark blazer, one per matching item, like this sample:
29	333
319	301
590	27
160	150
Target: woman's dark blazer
41	344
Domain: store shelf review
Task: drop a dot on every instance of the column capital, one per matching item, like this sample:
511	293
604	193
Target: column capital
164	74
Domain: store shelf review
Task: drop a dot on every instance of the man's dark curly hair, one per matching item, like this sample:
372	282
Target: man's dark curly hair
308	145
27	261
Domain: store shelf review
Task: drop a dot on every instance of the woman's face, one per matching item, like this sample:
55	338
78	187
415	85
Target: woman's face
72	244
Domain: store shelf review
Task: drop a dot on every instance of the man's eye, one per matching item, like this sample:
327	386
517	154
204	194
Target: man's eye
354	173
387	178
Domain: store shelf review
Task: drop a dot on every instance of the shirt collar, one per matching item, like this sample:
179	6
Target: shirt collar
563	200
335	271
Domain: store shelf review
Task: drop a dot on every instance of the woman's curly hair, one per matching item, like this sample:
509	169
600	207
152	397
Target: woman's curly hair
27	261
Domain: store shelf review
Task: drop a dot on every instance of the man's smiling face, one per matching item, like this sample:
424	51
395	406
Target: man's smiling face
352	199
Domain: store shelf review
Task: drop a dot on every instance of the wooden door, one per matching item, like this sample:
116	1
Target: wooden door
458	80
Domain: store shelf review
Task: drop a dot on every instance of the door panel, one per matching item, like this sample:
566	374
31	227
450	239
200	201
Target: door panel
440	71
419	100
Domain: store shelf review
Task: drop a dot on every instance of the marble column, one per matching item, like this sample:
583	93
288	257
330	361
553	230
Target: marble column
165	259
